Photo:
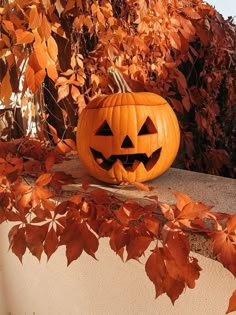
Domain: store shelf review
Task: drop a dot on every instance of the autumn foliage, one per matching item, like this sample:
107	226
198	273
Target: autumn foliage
29	198
55	55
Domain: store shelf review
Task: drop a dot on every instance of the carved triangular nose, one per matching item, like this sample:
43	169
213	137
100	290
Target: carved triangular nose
127	143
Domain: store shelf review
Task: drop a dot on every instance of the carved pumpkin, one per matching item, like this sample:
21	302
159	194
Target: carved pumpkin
127	137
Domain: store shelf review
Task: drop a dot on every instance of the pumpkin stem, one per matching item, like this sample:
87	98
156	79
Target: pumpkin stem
119	80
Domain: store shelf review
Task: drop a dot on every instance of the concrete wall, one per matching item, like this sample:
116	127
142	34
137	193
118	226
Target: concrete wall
108	286
104	287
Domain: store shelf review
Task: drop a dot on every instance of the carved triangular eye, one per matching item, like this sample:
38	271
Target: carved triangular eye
147	128
104	130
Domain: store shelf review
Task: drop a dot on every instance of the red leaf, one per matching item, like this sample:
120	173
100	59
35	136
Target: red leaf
59	179
90	241
137	246
73	250
191	272
232	303
123	216
12	233
7	148
119	239
173	288
51	242
152	224
85	183
178	246
178	106
18	245
156	270
62	207
100	196
35	236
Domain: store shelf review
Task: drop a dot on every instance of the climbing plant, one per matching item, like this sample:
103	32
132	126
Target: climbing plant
55	55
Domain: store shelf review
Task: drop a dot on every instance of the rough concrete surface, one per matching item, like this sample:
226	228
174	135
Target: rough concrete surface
217	191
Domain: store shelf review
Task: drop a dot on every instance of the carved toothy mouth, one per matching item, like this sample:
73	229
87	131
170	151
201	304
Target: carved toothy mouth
129	161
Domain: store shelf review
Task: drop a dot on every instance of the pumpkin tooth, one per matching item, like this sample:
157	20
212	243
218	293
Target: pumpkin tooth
153	159
99	160
134	166
129	162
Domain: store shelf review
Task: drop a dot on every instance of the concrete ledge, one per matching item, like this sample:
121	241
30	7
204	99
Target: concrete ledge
108	286
212	190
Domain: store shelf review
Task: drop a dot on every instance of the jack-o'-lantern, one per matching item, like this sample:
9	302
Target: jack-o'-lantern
127	136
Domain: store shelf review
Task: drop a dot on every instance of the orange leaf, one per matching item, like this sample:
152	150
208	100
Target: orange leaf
43	179
191	12
232	303
174	40
23	37
193	210
167	211
182	200
35	19
231	224
53	133
5	88
152	224
224	249
63	91
50	160
45	28
8	25
34	77
52	48
142	186
39	193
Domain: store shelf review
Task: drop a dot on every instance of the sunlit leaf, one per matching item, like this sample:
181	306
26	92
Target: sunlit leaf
232	303
23	37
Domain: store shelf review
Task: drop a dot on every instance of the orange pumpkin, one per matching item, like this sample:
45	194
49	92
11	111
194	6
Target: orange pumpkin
130	137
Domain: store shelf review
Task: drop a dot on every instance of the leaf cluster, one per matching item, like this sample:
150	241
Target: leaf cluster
182	50
148	230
